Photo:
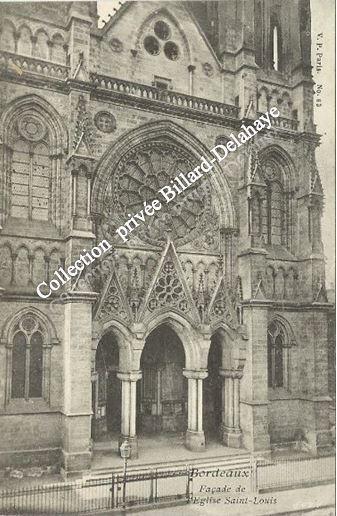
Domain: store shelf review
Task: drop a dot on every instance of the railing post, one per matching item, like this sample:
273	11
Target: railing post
189	485
117	488
253	475
112	491
156	487
151	487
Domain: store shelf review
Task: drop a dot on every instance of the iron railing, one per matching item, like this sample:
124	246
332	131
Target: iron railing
151	488
101	494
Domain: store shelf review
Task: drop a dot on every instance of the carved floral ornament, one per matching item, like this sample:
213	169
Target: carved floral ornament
138	177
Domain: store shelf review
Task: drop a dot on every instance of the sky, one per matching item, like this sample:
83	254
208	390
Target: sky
322	21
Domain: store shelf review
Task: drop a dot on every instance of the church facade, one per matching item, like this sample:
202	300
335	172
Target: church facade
211	321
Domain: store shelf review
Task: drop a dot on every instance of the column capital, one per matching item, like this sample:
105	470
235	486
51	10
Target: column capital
231	373
195	375
131	376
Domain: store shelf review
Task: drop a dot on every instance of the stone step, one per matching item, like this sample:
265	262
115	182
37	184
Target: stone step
235	461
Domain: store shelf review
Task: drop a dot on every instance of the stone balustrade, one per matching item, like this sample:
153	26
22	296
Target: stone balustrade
167	96
122	86
21	64
281	122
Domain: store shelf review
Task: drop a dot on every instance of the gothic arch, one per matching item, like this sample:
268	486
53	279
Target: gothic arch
123	339
48	325
277	212
178	135
32	132
7	35
286	327
28	336
35	104
276	154
184	331
233	346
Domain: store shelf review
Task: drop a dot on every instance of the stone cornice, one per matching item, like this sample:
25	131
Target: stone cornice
79	297
287	305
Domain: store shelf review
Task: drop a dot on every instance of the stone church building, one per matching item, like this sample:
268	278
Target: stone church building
211	321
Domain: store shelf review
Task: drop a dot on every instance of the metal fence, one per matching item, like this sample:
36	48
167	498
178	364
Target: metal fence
294	473
94	495
154	487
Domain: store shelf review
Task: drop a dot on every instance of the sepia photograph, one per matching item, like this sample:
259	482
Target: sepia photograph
167	257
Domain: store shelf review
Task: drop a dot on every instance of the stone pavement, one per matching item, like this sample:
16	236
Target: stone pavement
157	449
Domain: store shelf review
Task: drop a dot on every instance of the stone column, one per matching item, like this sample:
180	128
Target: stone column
129	409
254	417
230	428
76	403
195	437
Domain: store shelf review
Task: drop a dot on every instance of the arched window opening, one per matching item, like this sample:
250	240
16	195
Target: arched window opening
275	49
19	365
31	172
274	211
27	359
276	45
7	36
35	366
278	357
34	139
278	376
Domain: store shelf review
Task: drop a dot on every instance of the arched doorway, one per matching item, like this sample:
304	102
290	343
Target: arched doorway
106	390
212	399
162	391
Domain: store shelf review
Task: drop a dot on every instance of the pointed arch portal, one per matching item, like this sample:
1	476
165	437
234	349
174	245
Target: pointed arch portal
212	398
106	390
162	391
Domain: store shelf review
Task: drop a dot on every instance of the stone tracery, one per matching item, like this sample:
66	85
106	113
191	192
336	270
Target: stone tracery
139	175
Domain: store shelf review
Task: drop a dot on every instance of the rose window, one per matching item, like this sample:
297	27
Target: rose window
137	179
31	128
